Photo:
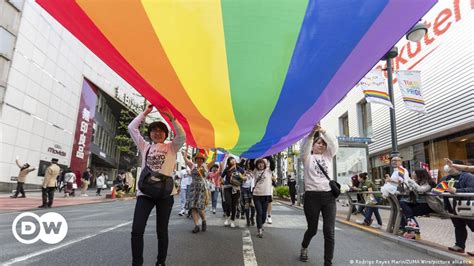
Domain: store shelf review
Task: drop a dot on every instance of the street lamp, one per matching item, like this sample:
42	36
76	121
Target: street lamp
415	34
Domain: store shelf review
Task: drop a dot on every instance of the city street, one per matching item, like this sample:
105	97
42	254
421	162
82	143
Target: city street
99	234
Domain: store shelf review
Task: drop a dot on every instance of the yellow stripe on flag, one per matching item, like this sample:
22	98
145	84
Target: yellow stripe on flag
192	35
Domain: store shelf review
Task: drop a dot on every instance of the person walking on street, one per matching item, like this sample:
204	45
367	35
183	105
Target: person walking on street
317	154
292	188
49	184
24	171
262	191
159	157
198	194
233	177
100	183
185	182
86	180
214	176
371	199
70	180
247	196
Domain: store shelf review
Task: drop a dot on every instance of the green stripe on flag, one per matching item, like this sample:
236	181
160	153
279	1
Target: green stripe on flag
260	37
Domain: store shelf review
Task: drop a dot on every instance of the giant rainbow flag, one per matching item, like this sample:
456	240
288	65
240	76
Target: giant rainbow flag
248	76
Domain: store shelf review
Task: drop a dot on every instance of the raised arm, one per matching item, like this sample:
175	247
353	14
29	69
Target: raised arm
272	162
134	128
18	163
414	186
180	137
213	161
460	167
188	162
305	151
331	140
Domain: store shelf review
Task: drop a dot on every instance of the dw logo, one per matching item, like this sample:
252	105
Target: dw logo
28	228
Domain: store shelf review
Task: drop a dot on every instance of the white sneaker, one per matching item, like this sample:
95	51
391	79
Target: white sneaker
269	220
226	223
376	226
85	195
232	224
359	221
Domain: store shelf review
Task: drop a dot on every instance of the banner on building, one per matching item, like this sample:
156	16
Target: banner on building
85	121
375	88
409	83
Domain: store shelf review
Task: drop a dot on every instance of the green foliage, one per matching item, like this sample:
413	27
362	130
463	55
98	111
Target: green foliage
282	191
125	144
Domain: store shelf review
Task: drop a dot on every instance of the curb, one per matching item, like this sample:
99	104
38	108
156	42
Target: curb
424	248
35	209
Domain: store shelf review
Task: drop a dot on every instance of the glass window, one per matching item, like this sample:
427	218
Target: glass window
344	125
7	42
365	119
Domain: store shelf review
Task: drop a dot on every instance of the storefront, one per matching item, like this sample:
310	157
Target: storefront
430	154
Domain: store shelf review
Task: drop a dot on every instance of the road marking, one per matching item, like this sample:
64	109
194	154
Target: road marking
247	248
41	252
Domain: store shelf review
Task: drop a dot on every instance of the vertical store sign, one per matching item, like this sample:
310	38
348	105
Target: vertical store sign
85	120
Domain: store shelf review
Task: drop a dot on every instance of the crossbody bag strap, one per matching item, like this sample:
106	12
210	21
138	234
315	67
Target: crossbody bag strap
146	155
322	170
260	177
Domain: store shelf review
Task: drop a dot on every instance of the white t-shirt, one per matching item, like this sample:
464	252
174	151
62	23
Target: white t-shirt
162	156
185	178
262	182
314	179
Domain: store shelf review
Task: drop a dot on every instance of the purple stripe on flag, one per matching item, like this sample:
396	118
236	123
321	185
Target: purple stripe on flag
394	21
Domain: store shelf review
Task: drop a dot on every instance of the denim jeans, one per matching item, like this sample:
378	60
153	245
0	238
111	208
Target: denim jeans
182	198
214	196
371	210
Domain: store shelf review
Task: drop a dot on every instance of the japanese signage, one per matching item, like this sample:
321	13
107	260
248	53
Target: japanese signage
85	120
128	101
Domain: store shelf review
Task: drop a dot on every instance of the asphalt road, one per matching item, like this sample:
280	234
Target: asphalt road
99	234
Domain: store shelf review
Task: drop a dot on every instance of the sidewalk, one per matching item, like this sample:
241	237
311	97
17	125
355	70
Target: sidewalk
33	200
436	233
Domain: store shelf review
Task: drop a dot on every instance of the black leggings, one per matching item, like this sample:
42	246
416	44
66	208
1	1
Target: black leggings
143	208
231	200
314	203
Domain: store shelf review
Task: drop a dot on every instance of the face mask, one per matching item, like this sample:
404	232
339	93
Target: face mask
446	168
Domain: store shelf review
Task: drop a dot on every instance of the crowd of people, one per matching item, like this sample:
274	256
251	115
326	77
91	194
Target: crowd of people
245	186
66	181
246	189
419	195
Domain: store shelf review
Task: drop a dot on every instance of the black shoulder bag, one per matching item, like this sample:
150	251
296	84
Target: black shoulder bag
154	184
335	187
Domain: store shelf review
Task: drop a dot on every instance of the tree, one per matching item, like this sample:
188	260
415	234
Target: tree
128	150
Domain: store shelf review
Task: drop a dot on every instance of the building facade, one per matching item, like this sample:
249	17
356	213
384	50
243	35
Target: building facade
445	58
44	70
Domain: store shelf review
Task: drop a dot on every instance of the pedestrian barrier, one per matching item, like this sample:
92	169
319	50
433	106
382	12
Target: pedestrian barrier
396	211
393	206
